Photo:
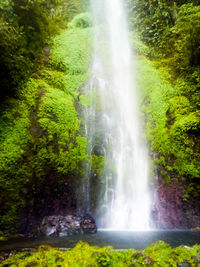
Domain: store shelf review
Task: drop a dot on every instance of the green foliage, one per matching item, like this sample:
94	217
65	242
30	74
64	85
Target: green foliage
2	237
26	26
71	51
170	28
70	8
57	115
82	20
32	17
67	82
82	255
139	47
157	254
173	122
161	254
150	18
69	57
97	163
170	96
40	130
15	139
185	38
14	64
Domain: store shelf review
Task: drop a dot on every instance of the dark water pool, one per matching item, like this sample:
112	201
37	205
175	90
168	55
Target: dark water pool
117	239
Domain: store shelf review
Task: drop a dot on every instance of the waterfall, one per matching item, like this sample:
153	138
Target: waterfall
125	202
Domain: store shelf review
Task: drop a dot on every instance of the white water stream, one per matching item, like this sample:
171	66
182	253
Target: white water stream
125	203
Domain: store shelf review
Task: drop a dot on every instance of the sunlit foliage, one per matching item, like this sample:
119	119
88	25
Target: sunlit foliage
158	253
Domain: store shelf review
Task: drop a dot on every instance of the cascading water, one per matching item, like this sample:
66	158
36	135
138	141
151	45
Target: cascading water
125	203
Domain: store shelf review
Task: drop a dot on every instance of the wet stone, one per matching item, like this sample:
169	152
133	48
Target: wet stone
184	264
66	225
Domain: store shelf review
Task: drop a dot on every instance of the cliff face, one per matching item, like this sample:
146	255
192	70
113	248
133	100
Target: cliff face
171	210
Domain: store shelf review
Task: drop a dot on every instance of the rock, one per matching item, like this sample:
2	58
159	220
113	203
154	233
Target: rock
147	261
184	264
196	260
170	210
196	228
5	255
88	224
66	225
46	52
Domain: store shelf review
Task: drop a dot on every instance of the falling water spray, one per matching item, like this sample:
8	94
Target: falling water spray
125	203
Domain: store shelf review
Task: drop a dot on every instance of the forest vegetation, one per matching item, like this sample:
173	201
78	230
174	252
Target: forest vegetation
158	254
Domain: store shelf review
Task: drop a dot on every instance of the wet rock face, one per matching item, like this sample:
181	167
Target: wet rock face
170	210
67	225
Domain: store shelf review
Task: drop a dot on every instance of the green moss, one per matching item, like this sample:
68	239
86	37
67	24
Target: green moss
158	253
57	115
15	139
41	128
70	51
2	236
70	56
97	163
139	47
82	20
87	100
173	121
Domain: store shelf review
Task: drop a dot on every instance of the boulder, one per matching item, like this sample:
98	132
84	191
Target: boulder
67	225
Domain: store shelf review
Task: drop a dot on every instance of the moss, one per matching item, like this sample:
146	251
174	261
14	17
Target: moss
97	163
57	115
41	128
158	253
70	51
173	121
139	47
2	236
82	20
15	139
